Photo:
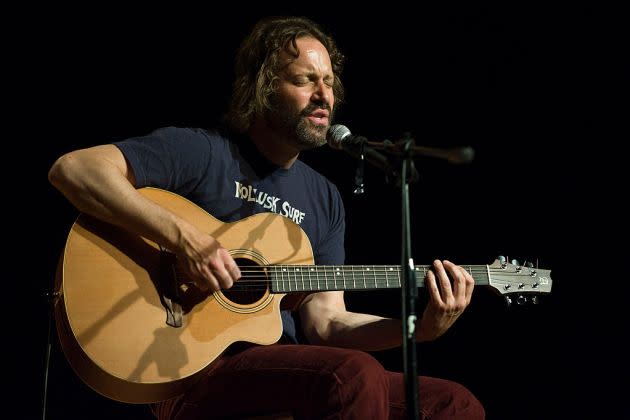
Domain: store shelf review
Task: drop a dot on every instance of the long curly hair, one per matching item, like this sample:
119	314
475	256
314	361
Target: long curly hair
258	61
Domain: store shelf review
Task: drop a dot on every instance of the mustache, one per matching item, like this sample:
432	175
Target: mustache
310	108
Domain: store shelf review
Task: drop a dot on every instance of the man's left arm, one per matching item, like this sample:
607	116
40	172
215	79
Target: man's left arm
326	321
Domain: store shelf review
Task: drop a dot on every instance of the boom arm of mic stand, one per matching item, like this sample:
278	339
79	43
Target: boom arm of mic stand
455	155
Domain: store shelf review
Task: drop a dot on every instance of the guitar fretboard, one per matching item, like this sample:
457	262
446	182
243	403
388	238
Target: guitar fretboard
311	278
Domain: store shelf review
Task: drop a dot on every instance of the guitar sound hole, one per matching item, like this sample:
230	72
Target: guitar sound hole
252	285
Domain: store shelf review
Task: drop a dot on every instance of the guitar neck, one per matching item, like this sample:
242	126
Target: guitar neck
313	278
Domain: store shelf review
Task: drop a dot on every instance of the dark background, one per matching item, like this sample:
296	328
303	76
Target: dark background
529	88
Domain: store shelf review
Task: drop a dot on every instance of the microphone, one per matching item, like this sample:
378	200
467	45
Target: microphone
340	138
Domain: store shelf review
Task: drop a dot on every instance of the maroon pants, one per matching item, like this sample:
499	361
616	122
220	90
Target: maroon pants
313	382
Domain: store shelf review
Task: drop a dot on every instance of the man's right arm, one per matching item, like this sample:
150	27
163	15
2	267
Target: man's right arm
99	182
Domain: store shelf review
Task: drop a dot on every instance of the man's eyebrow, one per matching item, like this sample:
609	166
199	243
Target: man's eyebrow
308	73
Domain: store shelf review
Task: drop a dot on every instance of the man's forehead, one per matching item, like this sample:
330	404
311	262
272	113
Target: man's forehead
303	46
309	57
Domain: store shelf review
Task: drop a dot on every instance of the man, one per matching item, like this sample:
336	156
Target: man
287	80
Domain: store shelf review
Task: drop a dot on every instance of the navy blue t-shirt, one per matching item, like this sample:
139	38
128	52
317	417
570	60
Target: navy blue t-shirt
231	180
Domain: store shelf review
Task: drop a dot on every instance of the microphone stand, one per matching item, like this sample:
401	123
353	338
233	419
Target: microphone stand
409	289
404	151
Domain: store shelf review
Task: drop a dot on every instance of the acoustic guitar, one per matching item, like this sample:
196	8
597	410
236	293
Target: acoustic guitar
135	330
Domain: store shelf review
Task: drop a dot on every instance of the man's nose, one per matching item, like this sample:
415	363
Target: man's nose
323	93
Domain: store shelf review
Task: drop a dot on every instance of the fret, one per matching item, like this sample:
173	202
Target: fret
374	272
344	280
281	279
366	269
278	281
420	277
295	278
354	280
310	279
284	270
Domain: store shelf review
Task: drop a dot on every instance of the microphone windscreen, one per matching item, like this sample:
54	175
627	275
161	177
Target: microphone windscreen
336	134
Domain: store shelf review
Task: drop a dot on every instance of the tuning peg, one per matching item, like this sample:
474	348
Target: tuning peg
508	301
515	262
501	259
529	264
521	300
534	300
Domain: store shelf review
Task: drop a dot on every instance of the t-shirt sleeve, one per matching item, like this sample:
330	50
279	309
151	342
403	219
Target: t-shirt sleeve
170	158
330	250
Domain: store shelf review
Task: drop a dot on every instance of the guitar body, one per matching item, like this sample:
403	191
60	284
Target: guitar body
111	315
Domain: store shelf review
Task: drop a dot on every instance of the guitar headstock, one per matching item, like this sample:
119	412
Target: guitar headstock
519	283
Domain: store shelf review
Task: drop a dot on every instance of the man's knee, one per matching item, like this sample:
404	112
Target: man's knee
361	367
360	377
354	387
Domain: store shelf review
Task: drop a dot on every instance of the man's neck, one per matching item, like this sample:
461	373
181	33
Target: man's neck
271	145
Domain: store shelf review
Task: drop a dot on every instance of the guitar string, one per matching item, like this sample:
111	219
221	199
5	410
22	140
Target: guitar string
258	288
256	279
323	283
385	272
346	269
332	275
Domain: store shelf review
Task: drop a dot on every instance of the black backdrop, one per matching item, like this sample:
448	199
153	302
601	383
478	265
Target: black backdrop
520	85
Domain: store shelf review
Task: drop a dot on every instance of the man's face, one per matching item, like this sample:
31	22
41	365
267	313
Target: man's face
304	101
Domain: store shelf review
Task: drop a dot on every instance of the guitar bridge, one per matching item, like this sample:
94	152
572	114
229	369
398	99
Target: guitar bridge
169	293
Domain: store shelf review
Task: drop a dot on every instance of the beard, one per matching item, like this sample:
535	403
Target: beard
301	131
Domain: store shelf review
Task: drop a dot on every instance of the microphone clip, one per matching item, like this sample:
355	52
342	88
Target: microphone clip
408	169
